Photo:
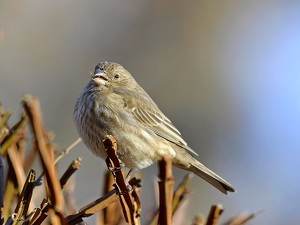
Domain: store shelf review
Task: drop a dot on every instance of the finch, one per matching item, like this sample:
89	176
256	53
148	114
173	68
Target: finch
113	103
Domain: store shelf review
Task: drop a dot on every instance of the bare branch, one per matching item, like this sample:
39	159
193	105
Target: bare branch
12	137
214	214
32	108
166	186
97	205
242	218
73	167
67	150
181	192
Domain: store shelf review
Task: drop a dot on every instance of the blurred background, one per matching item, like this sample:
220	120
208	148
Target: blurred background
225	72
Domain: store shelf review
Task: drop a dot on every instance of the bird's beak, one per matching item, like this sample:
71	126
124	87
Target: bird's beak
100	78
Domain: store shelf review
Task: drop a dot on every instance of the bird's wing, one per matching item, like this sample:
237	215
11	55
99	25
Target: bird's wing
146	112
161	126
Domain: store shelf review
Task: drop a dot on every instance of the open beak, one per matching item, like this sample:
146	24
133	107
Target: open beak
100	78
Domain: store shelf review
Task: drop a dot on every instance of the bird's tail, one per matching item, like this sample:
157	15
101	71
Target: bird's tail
211	177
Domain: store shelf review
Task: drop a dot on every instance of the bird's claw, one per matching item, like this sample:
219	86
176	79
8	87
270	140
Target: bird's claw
114	169
123	192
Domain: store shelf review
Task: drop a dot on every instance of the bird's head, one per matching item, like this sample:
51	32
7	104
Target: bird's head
109	75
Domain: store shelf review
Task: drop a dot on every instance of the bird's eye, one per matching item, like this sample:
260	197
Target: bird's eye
117	76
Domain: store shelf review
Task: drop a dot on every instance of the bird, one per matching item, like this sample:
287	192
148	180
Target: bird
113	103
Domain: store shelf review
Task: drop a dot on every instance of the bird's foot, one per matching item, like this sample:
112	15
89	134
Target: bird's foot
112	168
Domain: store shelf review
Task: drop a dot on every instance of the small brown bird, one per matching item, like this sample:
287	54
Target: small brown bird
114	103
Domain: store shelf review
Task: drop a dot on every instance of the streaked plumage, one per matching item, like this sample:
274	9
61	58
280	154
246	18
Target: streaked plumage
114	103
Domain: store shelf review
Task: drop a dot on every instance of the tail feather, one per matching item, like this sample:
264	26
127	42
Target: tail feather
211	177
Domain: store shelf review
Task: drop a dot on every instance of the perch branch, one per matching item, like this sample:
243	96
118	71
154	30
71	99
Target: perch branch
113	209
115	165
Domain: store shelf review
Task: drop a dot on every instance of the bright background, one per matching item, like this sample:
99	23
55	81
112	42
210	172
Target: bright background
225	72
